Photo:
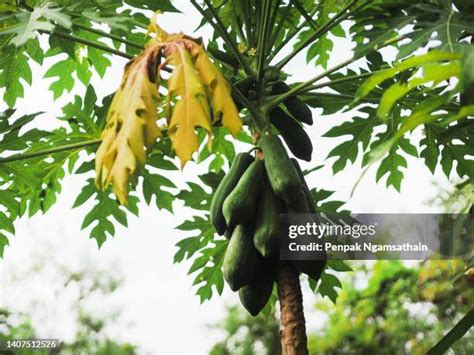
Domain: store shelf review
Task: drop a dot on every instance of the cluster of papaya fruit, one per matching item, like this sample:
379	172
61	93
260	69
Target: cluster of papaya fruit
246	208
249	200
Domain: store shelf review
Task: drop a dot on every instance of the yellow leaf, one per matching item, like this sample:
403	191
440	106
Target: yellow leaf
220	92
131	124
191	109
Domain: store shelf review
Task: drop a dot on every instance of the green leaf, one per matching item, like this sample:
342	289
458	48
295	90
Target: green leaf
391	165
153	186
63	71
187	247
328	285
360	129
3	244
101	214
422	115
430	152
321	50
210	275
14	68
162	5
416	61
467	68
197	198
43	18
459	153
432	73
338	265
446	28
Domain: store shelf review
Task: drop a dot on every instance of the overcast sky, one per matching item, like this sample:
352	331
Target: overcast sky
161	312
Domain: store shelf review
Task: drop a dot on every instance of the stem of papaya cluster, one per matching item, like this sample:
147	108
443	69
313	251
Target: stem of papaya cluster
88	43
221	29
293	325
303	86
50	151
334	21
109	35
254	113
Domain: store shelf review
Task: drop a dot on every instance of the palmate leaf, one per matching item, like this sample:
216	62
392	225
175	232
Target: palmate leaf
63	72
14	69
440	23
131	125
392	165
42	18
195	78
221	151
413	62
192	109
103	211
432	73
321	49
207	264
360	129
132	130
437	104
153	186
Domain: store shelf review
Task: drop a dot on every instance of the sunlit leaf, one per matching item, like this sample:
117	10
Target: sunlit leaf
131	124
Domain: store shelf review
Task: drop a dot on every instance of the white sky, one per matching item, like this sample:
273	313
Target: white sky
161	312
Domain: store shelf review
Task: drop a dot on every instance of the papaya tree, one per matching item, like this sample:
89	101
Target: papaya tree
230	104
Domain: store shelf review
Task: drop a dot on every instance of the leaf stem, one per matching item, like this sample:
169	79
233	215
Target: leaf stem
38	153
220	28
89	43
245	101
109	35
303	13
262	39
303	86
334	21
279	26
458	331
292	34
248	23
338	81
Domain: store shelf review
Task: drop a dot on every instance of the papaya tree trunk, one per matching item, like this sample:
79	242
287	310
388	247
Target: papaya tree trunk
293	325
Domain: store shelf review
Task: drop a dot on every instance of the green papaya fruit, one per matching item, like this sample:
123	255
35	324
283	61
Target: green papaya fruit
240	258
280	170
297	108
256	294
241	205
311	203
267	225
293	134
228	233
244	85
312	268
299	204
223	57
239	166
